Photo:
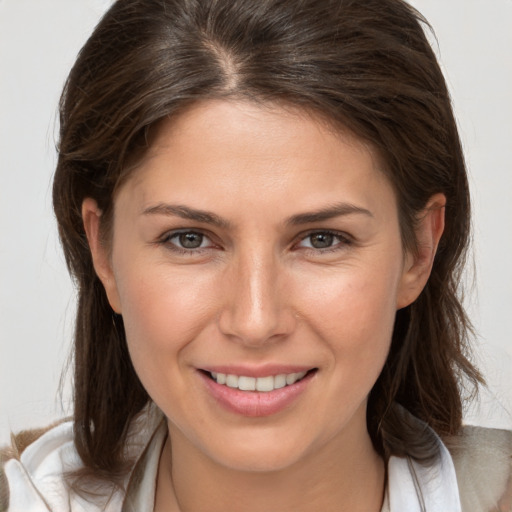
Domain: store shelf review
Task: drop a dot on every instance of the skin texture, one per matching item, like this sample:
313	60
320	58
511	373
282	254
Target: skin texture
259	290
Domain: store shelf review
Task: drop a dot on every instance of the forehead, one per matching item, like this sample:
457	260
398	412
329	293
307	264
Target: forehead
243	153
268	124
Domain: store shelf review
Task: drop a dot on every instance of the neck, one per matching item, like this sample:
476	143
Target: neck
351	480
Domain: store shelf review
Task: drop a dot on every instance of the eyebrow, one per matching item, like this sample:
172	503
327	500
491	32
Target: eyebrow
330	212
185	212
206	217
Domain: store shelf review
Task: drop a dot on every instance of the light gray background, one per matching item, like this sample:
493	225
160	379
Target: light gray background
39	40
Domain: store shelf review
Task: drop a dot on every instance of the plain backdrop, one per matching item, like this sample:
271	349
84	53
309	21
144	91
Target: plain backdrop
39	40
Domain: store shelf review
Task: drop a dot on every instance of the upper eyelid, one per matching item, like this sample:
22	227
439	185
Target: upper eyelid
171	233
341	234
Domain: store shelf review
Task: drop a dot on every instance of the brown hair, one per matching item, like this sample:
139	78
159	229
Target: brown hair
365	65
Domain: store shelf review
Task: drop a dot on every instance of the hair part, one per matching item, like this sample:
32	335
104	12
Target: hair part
365	66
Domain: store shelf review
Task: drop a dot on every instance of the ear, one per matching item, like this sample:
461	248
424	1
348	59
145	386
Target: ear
418	264
91	217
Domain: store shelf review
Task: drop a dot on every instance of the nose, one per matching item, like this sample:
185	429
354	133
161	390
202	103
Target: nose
256	308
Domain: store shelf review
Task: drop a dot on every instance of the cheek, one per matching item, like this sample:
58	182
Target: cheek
354	315
162	311
366	318
355	305
351	318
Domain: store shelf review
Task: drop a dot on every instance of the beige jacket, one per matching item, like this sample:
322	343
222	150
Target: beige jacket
483	465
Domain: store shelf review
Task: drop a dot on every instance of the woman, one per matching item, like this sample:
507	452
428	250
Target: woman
265	208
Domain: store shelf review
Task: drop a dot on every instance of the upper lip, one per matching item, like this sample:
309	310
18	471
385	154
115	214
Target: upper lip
257	371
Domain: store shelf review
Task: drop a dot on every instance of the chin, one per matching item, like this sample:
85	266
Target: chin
263	451
259	461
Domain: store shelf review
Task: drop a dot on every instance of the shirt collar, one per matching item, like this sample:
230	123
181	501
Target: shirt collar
423	488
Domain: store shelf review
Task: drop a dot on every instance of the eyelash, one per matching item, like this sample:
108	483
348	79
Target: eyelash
343	240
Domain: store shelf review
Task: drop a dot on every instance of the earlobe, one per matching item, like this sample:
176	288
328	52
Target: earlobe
91	217
418	264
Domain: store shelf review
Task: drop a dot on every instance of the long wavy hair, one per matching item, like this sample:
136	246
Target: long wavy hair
364	65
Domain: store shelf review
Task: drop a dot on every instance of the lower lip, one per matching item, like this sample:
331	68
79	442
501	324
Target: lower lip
255	403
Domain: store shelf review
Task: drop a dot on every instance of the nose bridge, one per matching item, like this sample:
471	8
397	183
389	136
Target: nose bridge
255	310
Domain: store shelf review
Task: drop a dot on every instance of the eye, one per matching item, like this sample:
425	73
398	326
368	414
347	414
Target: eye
189	240
186	241
323	240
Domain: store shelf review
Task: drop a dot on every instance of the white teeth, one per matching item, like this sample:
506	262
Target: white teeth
291	378
247	383
263	384
279	381
231	381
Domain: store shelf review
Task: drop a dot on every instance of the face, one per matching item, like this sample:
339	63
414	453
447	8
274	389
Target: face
257	262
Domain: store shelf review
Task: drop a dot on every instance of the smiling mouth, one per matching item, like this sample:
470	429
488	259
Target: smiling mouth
261	384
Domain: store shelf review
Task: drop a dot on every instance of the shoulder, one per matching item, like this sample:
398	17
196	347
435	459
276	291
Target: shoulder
34	471
482	458
13	451
29	461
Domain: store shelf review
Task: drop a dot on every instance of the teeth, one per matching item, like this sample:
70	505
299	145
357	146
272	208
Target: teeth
263	384
231	381
247	383
279	381
291	378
